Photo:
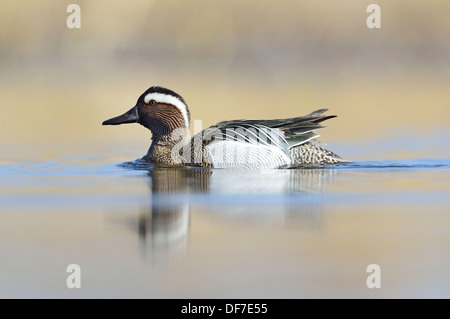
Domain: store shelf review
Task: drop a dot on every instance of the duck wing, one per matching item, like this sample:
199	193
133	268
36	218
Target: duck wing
295	130
259	143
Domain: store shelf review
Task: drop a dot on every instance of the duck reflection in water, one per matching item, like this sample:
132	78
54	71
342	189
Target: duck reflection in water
164	227
255	196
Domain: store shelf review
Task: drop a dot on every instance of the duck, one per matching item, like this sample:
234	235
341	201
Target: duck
249	144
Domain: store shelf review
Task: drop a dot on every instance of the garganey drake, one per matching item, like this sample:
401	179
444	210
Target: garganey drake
280	143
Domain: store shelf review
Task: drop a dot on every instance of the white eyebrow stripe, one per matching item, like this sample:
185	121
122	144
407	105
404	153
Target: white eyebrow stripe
164	98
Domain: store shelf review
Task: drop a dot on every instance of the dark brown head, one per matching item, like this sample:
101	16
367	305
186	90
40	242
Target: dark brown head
159	109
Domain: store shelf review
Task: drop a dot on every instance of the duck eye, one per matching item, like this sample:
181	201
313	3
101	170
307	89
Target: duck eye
152	102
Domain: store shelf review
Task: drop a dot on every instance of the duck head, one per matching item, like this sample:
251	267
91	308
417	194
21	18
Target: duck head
159	109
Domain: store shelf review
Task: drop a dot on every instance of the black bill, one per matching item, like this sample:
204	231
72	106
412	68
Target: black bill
129	117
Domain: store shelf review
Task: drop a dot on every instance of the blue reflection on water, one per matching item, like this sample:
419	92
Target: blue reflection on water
414	164
218	187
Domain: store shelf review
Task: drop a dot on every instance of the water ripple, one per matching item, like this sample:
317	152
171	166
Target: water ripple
411	164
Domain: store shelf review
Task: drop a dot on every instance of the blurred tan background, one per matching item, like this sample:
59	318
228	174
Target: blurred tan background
229	60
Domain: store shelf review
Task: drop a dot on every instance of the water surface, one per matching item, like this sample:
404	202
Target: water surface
197	233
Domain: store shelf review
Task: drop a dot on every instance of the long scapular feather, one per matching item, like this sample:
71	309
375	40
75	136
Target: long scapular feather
292	131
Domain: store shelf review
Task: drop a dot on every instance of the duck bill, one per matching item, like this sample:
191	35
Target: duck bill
129	117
